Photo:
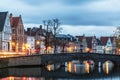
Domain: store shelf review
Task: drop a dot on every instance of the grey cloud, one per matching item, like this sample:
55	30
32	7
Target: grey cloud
74	15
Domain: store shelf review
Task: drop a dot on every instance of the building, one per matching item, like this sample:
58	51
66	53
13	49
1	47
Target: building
99	47
109	44
30	45
82	43
87	44
66	43
37	35
5	32
17	33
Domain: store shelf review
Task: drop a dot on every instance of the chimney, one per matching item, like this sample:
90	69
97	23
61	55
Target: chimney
40	26
19	15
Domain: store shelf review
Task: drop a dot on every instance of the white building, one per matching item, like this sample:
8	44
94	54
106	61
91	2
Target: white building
109	45
99	47
31	44
5	32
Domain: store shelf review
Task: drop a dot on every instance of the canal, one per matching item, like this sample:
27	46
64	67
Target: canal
74	70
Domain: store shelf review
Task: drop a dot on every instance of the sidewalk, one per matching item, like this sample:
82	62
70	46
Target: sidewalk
11	54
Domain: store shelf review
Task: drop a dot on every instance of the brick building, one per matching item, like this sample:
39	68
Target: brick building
18	37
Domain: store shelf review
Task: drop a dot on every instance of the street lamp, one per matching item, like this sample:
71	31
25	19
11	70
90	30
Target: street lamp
37	42
119	51
87	50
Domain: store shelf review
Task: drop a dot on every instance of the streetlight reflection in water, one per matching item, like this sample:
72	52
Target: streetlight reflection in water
86	68
79	68
74	67
107	67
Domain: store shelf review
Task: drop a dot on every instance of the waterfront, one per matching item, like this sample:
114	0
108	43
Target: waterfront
72	71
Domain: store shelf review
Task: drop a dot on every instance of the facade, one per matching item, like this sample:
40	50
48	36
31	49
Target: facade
94	44
82	43
87	44
109	45
5	32
17	33
66	43
99	47
30	46
39	38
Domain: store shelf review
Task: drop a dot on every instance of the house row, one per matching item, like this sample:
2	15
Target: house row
87	44
13	37
105	44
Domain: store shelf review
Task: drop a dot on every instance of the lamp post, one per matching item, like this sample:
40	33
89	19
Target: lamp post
38	46
118	51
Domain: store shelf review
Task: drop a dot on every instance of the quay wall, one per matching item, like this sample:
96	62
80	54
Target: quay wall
20	61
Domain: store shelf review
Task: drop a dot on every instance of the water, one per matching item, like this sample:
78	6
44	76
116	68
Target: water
73	71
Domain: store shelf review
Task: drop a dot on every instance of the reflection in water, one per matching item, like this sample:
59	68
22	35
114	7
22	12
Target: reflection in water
79	71
107	67
76	67
87	67
50	67
69	66
21	78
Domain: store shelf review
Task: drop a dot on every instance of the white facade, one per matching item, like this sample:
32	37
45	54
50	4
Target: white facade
99	49
31	43
5	35
108	47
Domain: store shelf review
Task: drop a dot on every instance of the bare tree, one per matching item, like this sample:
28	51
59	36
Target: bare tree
117	35
47	25
54	27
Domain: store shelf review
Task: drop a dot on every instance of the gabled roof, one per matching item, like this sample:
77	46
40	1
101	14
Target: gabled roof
15	21
80	38
3	16
35	30
105	39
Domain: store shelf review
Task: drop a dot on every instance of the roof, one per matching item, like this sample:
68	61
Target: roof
60	35
105	39
3	16
80	38
15	21
35	30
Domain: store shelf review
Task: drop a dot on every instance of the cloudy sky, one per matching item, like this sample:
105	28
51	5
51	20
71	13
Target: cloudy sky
77	17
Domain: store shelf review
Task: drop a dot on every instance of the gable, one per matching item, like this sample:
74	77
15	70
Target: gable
7	27
16	21
3	16
104	40
109	43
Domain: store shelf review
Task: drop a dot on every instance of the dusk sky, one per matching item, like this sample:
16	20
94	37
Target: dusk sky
77	17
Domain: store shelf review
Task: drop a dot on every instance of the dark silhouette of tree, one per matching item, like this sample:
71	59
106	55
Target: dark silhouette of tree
56	29
52	26
47	25
117	35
